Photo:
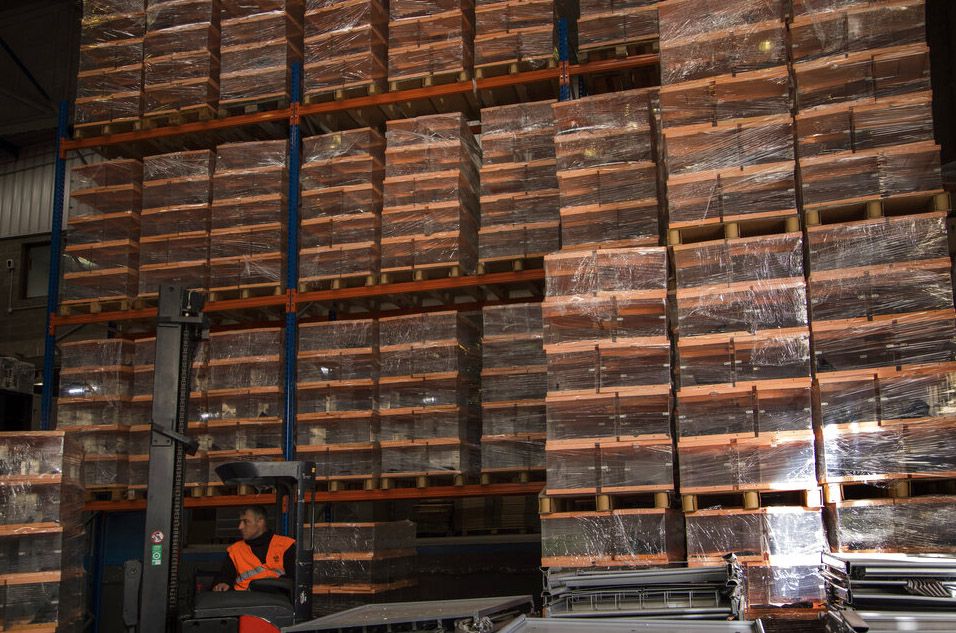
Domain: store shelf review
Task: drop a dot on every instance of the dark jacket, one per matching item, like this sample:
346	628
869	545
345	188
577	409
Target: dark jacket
259	545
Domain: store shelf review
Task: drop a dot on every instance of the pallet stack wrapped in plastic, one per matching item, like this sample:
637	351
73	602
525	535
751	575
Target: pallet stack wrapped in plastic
95	404
242	397
174	235
514	382
362	563
744	400
607	171
247	236
520	207
101	257
41	533
430	40
344	50
109	84
515	35
261	40
618	27
608	406
881	297
336	396
181	58
726	111
429	407
341	210
431	214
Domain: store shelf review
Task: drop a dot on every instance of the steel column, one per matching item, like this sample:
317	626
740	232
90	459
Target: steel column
564	54
53	285
292	268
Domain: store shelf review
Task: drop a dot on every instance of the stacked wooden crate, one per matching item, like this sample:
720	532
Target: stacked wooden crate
429	407
41	533
242	397
101	258
362	563
880	283
261	40
514	382
744	400
430	40
607	172
616	26
514	35
174	242
247	235
109	85
344	48
431	214
96	383
608	402
341	208
336	395
726	110
181	57
519	189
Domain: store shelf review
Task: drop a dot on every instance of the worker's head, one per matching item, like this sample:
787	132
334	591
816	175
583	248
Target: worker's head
252	522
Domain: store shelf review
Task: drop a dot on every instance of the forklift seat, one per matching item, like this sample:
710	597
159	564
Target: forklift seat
272	607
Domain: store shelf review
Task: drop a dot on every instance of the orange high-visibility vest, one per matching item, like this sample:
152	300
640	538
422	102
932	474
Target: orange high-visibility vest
248	565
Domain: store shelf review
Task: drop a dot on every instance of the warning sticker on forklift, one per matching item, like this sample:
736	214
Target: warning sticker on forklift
157	555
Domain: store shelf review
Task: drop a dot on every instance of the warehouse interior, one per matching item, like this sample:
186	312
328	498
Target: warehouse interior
640	310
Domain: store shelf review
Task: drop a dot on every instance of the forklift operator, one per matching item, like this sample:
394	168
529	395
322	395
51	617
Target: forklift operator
260	554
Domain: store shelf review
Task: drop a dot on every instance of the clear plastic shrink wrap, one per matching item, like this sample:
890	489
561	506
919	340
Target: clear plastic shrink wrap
515	32
608	416
174	242
429	404
41	532
337	396
519	187
96	379
431	211
607	173
341	208
918	525
109	84
344	45
101	258
260	43
430	37
248	215
513	388
779	547
181	56
653	536
613	23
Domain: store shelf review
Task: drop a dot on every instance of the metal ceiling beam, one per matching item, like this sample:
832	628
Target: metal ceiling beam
26	73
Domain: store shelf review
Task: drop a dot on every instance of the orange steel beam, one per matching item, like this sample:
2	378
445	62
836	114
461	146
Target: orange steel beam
436	492
361	292
386	98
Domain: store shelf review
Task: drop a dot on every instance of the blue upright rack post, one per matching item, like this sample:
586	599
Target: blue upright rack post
564	56
292	268
53	285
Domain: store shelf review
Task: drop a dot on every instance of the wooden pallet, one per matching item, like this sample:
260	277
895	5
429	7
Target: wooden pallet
179	116
514	66
556	504
266	103
106	493
431	79
511	476
423	480
874	207
356	482
618	50
426	272
245	292
344	91
901	486
752	499
95	306
357	280
104	128
511	264
777	224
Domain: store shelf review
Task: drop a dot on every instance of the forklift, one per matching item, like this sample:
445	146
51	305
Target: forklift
151	586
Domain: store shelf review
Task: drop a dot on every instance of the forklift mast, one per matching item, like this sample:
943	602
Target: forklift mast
180	326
